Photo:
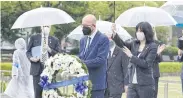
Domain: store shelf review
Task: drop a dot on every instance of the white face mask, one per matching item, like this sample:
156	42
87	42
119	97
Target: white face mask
46	30
140	36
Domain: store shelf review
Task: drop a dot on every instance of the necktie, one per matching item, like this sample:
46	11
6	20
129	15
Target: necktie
87	45
109	55
44	54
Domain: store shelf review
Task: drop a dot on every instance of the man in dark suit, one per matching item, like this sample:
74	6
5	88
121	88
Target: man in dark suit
180	59
156	72
37	65
94	48
116	72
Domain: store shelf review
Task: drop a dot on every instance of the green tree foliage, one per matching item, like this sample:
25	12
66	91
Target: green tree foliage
11	10
101	9
75	9
162	33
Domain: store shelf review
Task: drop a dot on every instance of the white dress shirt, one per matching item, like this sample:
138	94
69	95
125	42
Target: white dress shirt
90	36
112	50
134	80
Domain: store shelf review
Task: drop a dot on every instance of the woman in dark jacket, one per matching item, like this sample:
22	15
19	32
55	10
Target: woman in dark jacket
142	53
180	56
156	72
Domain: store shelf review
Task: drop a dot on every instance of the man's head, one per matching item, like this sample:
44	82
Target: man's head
89	24
46	29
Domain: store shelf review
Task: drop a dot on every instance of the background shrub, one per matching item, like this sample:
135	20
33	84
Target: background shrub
171	51
6	66
170	67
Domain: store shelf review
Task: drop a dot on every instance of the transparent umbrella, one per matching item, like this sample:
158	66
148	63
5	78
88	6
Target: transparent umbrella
175	8
42	16
153	15
102	26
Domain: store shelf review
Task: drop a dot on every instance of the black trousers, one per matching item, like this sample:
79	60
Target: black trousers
182	85
140	91
37	88
97	93
156	79
108	95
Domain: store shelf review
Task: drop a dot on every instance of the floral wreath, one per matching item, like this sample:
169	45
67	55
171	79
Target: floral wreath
71	71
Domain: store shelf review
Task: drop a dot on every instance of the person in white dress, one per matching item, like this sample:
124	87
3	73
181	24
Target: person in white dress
20	86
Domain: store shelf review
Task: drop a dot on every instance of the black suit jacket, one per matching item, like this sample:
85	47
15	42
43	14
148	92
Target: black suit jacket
35	40
117	71
180	59
156	72
143	63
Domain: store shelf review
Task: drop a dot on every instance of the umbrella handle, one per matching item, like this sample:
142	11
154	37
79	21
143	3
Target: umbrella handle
155	35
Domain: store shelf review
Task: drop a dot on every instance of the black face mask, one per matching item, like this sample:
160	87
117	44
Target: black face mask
86	31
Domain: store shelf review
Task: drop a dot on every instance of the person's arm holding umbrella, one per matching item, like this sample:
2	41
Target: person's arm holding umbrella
53	46
118	40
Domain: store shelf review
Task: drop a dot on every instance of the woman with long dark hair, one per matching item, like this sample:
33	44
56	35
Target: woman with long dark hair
142	53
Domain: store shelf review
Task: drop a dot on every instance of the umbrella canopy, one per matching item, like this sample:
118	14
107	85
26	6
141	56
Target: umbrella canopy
175	8
153	15
42	16
179	21
102	26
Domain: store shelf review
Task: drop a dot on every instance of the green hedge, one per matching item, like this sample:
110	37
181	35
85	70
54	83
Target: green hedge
171	51
6	66
165	67
170	67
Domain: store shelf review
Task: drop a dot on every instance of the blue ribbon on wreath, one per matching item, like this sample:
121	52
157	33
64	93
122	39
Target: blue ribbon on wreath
76	81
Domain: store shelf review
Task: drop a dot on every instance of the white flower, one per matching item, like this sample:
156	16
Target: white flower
45	94
57	64
48	62
79	95
77	64
60	97
69	66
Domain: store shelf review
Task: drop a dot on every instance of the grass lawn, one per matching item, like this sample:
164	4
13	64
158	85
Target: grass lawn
174	90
